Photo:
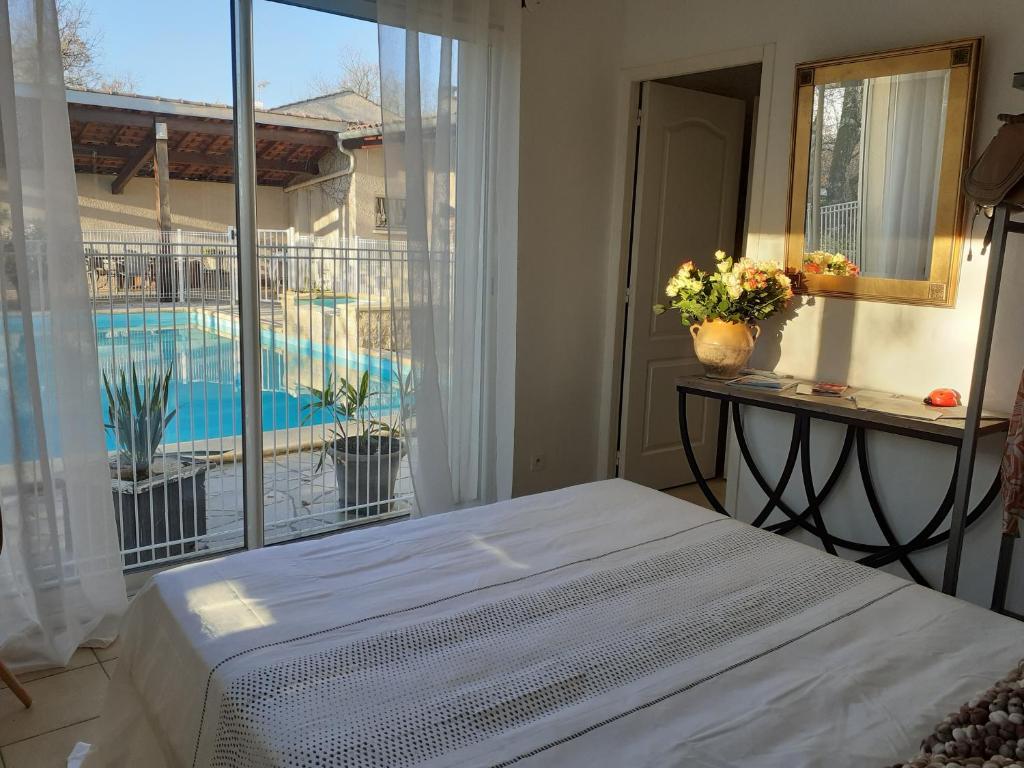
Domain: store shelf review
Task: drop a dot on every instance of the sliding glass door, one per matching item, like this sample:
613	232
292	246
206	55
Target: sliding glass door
285	331
151	141
332	318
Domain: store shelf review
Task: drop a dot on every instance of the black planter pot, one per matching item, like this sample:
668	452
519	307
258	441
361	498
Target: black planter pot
164	509
366	473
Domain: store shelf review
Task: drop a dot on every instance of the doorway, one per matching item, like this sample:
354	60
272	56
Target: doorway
691	197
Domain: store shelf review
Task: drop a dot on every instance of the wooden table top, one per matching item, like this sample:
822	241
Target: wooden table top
838	409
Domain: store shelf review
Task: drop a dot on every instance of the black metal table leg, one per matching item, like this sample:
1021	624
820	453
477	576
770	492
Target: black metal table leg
813	502
798	519
723	434
879	514
811	517
787	472
691	458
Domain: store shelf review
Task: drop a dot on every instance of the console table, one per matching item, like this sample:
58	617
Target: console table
839	410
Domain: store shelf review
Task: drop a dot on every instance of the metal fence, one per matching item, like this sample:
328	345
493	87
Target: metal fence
165	306
839	229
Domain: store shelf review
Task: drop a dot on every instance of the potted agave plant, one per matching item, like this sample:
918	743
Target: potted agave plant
722	308
366	452
157	499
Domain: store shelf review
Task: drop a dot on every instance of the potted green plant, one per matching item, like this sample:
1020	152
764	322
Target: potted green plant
366	452
158	500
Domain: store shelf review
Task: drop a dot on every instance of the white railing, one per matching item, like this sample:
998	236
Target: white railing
839	229
167	303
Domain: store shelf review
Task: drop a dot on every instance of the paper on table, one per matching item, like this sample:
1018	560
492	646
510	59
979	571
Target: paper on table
905	406
897	406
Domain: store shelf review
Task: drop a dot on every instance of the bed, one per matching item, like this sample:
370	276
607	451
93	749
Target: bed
600	625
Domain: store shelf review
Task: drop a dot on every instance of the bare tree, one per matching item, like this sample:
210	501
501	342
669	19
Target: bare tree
357	74
78	43
123	83
79	48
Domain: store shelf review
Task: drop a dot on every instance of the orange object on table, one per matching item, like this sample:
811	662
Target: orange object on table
943	398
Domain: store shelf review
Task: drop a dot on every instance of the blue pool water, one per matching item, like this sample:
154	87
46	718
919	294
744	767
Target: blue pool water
205	382
325	301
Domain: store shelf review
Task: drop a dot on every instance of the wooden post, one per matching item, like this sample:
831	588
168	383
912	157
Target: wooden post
16	687
162	177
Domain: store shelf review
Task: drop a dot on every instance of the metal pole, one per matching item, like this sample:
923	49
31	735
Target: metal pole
248	271
982	352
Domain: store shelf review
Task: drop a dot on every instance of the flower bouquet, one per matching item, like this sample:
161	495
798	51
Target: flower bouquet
722	307
825	263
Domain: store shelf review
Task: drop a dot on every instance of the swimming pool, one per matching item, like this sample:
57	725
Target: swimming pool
327	302
202	352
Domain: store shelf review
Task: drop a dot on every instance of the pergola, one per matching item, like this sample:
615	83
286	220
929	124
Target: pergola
128	136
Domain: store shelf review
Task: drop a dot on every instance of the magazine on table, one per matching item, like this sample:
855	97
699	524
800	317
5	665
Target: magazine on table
822	389
768	380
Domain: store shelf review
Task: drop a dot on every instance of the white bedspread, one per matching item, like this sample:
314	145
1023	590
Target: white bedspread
602	625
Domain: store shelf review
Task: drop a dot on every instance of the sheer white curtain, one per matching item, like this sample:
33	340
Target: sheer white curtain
898	233
60	571
450	103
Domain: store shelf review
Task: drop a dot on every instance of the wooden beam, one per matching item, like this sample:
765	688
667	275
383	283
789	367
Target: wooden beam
179	157
107	116
111	151
161	173
227	161
363	142
83	114
132	166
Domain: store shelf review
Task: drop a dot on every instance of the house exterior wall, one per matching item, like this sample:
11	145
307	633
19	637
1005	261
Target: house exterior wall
312	211
210	206
195	205
368	186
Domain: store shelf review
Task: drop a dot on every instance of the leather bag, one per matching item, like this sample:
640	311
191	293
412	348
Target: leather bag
998	175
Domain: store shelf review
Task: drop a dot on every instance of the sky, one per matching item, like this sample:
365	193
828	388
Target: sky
183	49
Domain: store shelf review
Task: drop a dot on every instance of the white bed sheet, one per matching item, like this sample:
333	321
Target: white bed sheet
856	678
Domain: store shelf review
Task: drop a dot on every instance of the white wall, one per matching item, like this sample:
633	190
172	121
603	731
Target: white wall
567	121
573	96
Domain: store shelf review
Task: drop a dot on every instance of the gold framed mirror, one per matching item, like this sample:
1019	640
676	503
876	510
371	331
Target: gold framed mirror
880	145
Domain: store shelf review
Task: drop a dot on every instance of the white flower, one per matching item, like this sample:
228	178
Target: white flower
733	284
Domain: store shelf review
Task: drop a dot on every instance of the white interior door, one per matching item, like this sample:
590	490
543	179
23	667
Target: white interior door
687	194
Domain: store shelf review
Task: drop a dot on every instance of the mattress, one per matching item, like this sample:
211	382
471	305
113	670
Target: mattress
605	624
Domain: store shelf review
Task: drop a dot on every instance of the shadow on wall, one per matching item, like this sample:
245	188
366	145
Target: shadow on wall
768	351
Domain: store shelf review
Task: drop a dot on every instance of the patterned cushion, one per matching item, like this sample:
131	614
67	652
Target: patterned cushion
987	731
1013	468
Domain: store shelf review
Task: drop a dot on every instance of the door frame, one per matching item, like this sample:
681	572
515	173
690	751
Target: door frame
627	143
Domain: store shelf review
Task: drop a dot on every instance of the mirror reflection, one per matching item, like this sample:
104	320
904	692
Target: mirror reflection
874	172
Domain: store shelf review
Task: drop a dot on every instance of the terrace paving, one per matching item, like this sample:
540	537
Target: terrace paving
298	500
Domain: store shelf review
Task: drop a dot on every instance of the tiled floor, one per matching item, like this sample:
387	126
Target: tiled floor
66	703
298	498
